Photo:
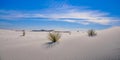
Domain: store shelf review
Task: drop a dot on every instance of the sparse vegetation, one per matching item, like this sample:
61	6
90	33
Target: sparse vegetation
54	36
92	32
23	33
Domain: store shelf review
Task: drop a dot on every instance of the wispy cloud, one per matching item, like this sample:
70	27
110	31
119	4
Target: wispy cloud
65	13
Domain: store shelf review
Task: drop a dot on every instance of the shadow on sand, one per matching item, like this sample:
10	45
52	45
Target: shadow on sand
21	36
50	44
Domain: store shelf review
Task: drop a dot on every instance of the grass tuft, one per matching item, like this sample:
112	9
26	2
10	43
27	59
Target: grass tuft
23	33
92	32
54	36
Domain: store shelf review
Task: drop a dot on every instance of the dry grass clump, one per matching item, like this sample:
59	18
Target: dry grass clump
92	32
54	36
23	33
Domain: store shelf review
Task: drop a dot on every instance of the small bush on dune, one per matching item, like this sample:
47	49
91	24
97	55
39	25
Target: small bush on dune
23	32
54	36
92	32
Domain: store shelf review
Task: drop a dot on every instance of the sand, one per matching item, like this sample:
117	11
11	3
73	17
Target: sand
77	46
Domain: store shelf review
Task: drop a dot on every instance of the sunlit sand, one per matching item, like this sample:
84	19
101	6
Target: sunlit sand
77	46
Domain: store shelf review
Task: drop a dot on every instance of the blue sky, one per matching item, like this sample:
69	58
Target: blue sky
59	14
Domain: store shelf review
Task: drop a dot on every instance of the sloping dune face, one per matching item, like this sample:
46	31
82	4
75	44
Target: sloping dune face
77	46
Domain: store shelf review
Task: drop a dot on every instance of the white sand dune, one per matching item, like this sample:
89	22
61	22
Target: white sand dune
77	46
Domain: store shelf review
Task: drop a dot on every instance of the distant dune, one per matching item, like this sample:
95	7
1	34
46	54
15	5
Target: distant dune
77	46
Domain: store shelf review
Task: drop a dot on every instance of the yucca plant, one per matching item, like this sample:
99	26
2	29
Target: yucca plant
23	33
92	32
54	36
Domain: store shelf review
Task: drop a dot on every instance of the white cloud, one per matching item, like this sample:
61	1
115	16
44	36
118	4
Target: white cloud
69	14
70	21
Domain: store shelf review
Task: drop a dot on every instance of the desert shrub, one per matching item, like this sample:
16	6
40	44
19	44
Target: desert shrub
92	32
54	36
23	32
